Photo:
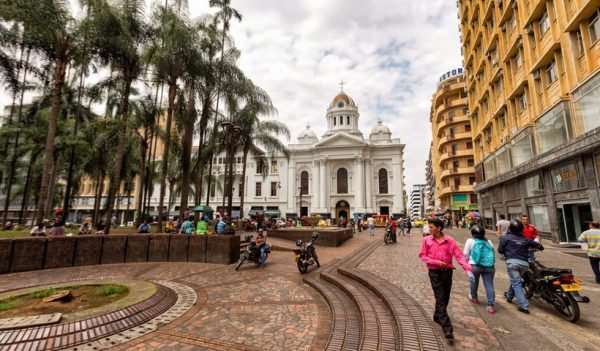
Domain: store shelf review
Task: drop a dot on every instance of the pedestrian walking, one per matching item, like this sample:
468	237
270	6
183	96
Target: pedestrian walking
437	251
425	229
480	253
502	225
530	232
515	247
371	223
401	225
592	238
408	226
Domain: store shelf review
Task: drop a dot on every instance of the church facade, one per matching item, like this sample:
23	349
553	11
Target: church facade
340	174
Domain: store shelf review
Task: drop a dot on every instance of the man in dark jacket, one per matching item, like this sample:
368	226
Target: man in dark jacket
515	247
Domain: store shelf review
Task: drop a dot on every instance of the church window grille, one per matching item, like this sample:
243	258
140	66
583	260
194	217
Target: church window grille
383	181
334	121
304	182
258	189
342	181
341	120
348	120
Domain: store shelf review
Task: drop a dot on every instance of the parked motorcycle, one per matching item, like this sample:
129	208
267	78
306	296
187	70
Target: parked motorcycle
251	253
556	286
388	238
306	254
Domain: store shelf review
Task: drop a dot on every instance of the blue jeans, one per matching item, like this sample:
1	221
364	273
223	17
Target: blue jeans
515	272
487	274
372	229
261	256
595	263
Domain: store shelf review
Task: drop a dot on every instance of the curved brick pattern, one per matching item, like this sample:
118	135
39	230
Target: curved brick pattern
67	335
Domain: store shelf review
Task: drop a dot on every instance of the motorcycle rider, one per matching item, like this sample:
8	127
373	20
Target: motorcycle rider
261	246
515	247
392	223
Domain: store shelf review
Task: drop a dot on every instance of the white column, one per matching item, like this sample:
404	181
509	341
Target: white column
397	185
358	186
322	185
369	185
291	180
314	187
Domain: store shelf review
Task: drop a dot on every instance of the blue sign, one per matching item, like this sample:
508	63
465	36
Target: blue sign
450	74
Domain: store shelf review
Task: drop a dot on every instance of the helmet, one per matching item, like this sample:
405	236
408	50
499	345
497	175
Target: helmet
477	232
315	235
515	226
298	242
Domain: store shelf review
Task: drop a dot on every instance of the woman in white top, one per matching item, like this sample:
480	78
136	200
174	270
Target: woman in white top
480	253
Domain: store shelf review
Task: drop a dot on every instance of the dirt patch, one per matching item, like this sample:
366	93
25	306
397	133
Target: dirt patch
84	297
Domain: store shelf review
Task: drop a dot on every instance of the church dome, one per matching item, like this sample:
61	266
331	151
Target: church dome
308	136
342	100
380	132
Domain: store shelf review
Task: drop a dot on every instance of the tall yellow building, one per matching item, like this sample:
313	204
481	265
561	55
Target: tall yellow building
452	159
533	81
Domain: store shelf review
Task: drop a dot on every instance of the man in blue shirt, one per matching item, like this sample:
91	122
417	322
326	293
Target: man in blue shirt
221	226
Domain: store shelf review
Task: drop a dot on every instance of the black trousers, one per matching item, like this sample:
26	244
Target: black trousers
441	283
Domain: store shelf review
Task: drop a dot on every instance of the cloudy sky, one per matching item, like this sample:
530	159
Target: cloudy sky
390	54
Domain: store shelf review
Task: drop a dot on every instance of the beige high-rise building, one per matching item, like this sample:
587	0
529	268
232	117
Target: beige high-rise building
452	146
533	81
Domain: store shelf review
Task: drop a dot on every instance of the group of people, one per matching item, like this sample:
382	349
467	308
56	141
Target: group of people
518	241
189	226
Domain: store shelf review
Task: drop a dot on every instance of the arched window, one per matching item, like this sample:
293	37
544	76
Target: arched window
342	181
383	181
304	182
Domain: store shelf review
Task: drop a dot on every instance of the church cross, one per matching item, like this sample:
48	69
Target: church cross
342	85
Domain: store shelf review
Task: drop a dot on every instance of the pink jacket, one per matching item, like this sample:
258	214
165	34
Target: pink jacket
433	252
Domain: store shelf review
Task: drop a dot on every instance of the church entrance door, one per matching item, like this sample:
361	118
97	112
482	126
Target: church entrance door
342	209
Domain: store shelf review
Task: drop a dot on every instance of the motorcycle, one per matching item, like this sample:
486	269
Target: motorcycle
252	253
306	254
556	286
388	238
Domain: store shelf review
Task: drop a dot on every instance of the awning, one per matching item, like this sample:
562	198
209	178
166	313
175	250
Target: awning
272	213
255	212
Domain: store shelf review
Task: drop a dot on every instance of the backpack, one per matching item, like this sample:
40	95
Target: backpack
483	253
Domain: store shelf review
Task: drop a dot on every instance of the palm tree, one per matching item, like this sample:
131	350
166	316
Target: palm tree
53	34
120	36
169	56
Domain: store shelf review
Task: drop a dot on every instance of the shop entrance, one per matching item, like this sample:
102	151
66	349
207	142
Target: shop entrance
573	219
342	209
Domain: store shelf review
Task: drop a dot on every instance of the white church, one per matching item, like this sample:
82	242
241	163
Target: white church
340	174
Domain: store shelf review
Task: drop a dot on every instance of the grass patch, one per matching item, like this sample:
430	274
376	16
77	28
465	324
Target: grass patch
112	290
44	293
9	304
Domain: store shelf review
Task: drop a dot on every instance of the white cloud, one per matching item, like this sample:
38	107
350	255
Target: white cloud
389	52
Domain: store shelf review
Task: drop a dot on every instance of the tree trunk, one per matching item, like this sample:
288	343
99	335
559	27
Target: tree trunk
98	195
188	140
24	202
165	158
142	178
210	166
243	183
59	80
206	105
51	189
115	182
67	201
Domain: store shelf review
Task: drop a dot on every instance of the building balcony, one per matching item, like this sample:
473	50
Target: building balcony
450	104
448	121
455	189
452	138
457	171
447	89
450	155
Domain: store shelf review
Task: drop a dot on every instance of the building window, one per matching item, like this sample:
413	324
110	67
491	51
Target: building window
220	160
451	114
502	122
512	191
587	103
383	181
342	181
579	43
258	189
471	180
513	21
517	61
539	215
521	150
551	73
334	121
273	189
522	102
544	23
304	182
456	181
274	166
240	190
567	177
473	198
348	120
503	161
497	194
534	186
469	145
551	130
470	162
213	188
467	127
594	26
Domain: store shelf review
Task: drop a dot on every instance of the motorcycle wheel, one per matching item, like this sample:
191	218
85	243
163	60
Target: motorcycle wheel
566	305
239	262
528	287
266	256
302	267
